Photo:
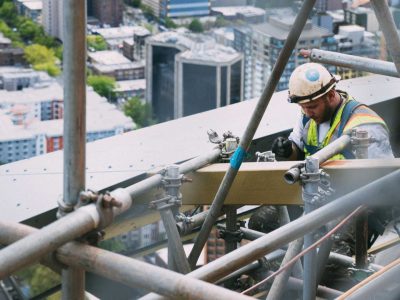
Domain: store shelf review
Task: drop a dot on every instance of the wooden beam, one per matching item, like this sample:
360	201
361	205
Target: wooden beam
263	183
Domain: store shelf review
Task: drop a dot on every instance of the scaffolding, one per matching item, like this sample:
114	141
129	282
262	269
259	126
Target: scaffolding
61	245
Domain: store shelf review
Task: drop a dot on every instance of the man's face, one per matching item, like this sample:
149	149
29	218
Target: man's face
319	109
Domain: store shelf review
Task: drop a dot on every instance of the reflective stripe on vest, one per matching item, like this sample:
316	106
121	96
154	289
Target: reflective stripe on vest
362	115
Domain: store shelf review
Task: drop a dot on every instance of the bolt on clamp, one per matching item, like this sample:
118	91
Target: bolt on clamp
228	143
360	142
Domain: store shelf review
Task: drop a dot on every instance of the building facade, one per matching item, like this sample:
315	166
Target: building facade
362	16
261	45
184	8
206	79
108	12
52	18
355	40
114	64
31	121
187	75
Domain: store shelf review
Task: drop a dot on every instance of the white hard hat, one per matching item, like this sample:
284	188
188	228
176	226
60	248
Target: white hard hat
309	82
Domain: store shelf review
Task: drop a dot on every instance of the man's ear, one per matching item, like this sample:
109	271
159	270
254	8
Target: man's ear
331	95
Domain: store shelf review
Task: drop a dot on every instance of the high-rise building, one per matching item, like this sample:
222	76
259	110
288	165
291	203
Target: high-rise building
262	44
52	17
108	11
184	8
154	5
178	8
188	74
362	16
355	40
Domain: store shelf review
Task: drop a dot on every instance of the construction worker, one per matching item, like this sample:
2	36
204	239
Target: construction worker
326	114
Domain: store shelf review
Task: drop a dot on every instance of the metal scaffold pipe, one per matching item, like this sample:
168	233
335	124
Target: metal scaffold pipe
30	249
143	186
388	26
251	128
74	66
351	61
126	270
337	146
386	189
278	286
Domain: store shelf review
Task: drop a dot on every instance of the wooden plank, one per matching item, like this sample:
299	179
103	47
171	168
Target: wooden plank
263	183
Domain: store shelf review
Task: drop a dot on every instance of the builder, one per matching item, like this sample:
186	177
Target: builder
326	114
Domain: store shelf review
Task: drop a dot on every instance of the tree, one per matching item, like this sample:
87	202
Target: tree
28	30
9	33
136	3
139	112
103	85
113	245
42	58
169	23
147	11
38	54
196	26
38	278
221	22
8	13
96	42
48	67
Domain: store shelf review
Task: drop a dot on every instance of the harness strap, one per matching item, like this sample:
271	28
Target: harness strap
348	110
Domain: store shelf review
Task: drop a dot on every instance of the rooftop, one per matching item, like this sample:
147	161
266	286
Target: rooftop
279	28
172	37
108	57
101	116
231	11
198	46
34	5
4	40
124	66
212	52
128	85
121	32
32	95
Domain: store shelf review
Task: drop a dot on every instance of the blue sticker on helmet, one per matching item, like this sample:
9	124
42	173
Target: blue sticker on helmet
312	75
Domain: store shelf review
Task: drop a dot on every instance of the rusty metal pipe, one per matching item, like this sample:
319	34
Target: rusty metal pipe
74	53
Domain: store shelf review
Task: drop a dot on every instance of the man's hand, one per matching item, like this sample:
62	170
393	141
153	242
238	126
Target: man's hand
282	147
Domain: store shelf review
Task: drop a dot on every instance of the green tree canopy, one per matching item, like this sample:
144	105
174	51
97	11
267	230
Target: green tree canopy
48	67
196	26
221	22
139	112
103	85
8	32
38	54
136	3
39	279
28	30
147	11
8	13
96	42
169	23
42	58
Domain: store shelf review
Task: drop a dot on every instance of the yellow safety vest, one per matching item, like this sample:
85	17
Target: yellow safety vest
350	114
